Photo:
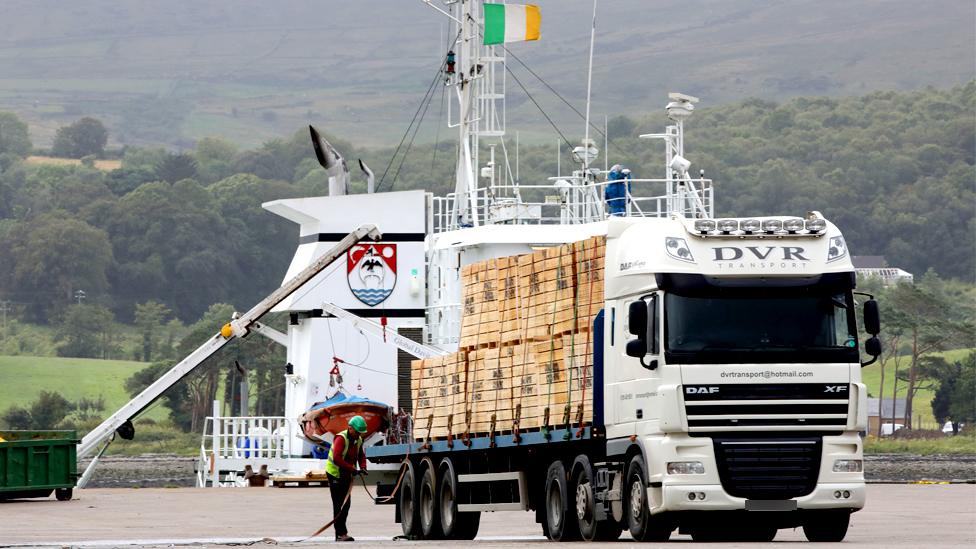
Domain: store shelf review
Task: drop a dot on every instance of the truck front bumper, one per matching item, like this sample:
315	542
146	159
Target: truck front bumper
672	492
824	496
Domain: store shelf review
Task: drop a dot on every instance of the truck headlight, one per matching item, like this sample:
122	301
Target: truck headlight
846	466
686	468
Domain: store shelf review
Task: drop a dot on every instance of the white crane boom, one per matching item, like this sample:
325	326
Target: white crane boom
237	327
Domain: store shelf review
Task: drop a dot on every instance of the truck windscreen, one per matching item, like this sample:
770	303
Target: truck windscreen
745	325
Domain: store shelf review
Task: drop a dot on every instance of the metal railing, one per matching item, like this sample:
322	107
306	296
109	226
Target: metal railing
566	201
444	324
230	443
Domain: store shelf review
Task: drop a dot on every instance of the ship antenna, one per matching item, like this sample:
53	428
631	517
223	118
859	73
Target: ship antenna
589	84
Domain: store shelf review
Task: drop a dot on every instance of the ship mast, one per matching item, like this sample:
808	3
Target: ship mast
477	108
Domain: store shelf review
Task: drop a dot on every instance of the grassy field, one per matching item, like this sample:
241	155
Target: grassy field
922	406
962	444
104	165
22	378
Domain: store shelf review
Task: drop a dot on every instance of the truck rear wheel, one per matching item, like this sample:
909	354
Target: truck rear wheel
560	523
430	520
63	494
827	526
643	526
454	524
583	501
407	503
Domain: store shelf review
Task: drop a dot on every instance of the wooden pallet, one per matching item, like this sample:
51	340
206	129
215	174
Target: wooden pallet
304	481
525	346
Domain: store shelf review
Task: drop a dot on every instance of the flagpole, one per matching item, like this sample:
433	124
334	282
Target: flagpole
589	84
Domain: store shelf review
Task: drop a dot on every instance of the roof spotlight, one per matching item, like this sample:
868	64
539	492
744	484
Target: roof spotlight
772	225
704	225
750	225
816	225
793	225
729	225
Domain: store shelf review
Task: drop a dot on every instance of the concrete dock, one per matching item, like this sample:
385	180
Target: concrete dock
896	516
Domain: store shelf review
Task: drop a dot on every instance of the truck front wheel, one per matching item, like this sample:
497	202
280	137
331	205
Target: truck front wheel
827	526
561	522
643	526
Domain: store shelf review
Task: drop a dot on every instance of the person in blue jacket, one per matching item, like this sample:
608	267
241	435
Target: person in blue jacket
617	189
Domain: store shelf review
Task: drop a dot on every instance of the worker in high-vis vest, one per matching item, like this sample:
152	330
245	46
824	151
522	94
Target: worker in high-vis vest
346	451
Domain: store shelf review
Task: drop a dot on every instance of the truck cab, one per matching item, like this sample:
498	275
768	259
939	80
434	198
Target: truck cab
732	372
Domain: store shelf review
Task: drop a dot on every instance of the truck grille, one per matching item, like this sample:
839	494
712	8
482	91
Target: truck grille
751	407
768	468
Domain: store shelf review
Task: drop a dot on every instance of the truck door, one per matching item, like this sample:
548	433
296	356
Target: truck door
631	380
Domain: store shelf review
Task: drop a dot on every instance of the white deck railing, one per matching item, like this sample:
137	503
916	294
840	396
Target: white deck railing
229	444
567	202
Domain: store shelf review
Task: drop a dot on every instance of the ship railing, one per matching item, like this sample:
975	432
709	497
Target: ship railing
444	322
565	202
229	444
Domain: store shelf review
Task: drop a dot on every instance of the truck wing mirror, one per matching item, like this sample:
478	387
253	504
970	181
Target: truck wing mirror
637	319
872	347
637	348
872	318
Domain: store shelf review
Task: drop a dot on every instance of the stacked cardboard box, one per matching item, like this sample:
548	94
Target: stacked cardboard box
526	348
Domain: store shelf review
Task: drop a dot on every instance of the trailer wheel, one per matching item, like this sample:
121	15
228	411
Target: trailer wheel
643	527
408	504
63	494
430	520
560	524
454	524
827	526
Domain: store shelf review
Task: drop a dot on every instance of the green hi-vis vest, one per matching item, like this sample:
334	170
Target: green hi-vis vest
330	466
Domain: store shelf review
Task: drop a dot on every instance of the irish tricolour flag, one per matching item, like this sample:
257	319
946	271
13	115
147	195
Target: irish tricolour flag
511	23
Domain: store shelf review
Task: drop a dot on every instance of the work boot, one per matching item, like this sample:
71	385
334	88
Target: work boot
345	537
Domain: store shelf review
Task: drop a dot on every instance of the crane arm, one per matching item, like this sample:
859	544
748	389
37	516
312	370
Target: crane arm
237	327
379	331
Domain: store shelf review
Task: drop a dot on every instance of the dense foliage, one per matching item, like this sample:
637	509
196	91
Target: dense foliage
893	170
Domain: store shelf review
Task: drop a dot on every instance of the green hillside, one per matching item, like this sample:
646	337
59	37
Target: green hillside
173	72
22	378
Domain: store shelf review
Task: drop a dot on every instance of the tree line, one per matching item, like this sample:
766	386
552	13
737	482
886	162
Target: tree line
893	170
154	243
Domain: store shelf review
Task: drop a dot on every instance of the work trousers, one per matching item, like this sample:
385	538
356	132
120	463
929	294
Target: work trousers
338	488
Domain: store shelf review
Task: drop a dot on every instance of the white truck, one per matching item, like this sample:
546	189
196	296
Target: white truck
727	398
